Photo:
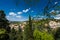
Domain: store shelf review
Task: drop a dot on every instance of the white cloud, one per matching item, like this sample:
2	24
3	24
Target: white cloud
56	2
57	11
19	12
57	16
7	16
12	14
14	18
26	10
52	11
18	16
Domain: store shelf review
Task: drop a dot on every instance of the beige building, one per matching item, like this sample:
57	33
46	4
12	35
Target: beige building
16	26
54	24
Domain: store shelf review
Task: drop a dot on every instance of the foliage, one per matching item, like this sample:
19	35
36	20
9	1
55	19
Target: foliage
57	34
28	30
2	31
12	34
48	7
38	35
4	26
16	34
19	34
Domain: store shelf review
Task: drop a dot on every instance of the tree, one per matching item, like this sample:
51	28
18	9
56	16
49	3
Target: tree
4	25
48	7
19	34
16	34
29	30
42	35
57	34
3	34
12	34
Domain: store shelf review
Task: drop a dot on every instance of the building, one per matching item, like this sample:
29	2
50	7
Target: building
54	24
16	26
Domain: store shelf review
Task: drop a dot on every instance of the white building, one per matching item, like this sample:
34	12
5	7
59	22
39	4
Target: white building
54	24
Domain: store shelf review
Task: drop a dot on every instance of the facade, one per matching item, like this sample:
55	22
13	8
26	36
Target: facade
54	24
16	26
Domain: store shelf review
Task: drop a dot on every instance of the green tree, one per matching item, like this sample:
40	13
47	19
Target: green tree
29	30
42	35
48	7
4	26
12	34
19	34
4	23
3	34
57	34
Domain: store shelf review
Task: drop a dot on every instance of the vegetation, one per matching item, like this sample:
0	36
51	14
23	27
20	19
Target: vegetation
4	26
42	35
34	29
57	34
29	30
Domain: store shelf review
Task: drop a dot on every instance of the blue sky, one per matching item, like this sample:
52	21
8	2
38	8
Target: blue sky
20	12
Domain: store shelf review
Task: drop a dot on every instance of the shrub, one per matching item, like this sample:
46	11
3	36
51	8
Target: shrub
38	35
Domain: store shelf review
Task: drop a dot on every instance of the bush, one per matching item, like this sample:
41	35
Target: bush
38	35
3	34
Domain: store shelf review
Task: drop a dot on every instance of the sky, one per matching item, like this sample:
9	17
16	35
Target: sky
18	10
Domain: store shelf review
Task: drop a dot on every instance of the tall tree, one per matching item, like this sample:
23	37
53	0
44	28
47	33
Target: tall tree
12	34
4	25
19	34
57	34
29	30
